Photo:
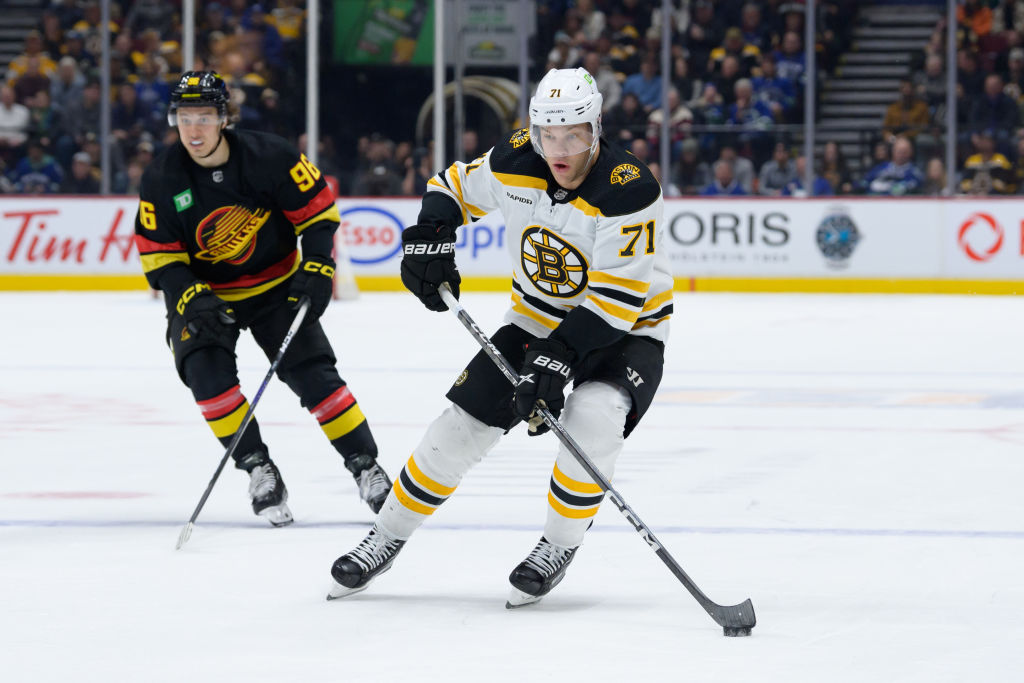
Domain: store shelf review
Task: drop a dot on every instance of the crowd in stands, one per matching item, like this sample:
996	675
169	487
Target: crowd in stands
735	95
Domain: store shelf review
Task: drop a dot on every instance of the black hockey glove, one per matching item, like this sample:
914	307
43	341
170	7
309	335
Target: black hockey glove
542	381
428	261
205	314
314	280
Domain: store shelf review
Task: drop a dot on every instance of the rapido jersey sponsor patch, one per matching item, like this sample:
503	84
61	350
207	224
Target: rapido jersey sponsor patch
623	173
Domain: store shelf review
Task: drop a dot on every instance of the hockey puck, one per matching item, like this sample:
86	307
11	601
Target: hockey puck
734	631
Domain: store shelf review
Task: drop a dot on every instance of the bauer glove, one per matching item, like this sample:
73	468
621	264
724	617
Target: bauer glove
542	382
314	280
205	314
428	261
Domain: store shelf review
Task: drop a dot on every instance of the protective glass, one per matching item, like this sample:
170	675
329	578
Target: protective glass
555	142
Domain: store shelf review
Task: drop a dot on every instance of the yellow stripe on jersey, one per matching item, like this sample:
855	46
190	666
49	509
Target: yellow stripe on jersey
151	262
239	293
229	424
572	513
516	180
344	423
586	208
657	301
453	177
572	484
426	482
328	214
601	277
519	306
650	323
611	309
408	502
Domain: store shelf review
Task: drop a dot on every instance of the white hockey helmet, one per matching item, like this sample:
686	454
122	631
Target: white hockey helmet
566	97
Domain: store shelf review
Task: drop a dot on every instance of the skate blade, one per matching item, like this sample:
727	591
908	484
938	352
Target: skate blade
339	591
517	599
278	515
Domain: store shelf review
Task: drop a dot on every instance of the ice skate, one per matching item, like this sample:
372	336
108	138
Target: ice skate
355	570
539	573
373	482
267	490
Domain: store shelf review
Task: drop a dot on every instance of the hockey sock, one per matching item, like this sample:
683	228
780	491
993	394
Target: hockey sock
224	413
454	442
344	424
595	415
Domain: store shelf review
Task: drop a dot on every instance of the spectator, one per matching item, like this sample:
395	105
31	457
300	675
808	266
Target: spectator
690	173
704	35
935	178
724	183
470	146
776	92
271	45
15	121
994	111
908	116
33	50
753	30
154	95
129	182
680	123
82	179
976	18
89	27
564	55
725	80
44	119
52	36
31	81
418	170
67	85
1015	68
776	173
790	61
968	75
795	187
835	170
640	149
74	47
742	167
987	171
37	162
378	181
592	22
930	85
81	119
689	88
604	78
646	84
127	118
734	46
150	14
897	177
623	54
754	119
668	188
625	120
35	183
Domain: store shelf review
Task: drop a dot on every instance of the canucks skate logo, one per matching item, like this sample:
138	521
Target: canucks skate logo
229	234
520	138
837	236
554	266
623	173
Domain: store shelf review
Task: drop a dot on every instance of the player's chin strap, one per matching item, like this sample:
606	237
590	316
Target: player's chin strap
216	147
735	620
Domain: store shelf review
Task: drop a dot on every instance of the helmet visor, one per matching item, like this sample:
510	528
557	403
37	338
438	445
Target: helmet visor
554	142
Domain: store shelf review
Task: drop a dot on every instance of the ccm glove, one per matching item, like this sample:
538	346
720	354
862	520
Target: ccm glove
542	382
428	261
314	280
205	314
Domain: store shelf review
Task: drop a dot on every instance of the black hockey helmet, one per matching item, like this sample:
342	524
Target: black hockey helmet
198	89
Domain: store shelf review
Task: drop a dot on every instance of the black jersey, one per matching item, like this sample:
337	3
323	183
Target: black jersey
235	226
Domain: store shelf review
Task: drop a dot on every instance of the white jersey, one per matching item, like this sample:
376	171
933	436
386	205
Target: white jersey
599	246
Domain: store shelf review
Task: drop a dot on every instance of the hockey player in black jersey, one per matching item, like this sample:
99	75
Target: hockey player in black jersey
590	303
220	220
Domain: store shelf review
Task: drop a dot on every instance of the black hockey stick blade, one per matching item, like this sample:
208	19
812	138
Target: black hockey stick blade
735	620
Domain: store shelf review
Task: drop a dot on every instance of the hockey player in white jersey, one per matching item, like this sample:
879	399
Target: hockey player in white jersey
590	303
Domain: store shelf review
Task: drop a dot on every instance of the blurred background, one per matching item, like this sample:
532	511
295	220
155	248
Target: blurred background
717	96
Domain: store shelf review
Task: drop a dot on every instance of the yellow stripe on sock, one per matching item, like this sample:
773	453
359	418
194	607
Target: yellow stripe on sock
426	482
344	423
572	513
573	485
406	501
229	424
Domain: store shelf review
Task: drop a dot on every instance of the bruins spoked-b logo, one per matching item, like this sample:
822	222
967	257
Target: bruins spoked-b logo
554	266
520	138
229	234
623	173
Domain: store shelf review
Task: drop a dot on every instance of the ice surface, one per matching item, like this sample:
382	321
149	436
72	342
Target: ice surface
851	463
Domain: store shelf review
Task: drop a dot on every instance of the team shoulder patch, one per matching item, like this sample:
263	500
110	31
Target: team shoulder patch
623	173
520	138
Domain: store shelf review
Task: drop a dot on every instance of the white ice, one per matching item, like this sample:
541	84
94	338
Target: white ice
853	464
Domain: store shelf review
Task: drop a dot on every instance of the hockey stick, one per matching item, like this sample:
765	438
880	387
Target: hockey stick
186	532
735	620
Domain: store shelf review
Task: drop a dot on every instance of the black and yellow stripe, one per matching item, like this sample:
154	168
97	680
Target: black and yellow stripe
571	498
418	492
